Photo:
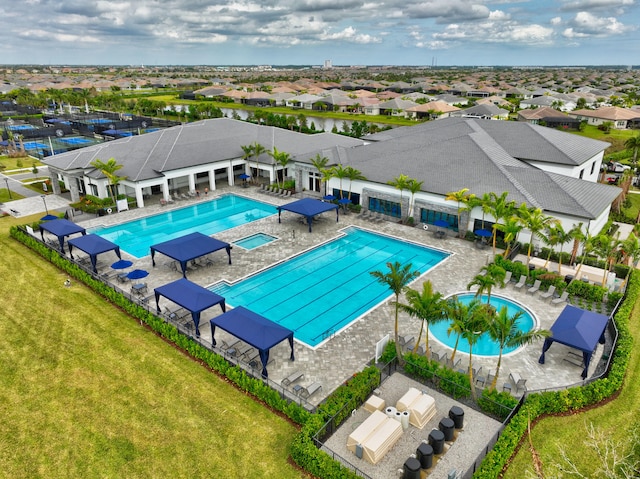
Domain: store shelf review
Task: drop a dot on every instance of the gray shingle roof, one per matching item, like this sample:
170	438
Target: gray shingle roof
148	156
451	154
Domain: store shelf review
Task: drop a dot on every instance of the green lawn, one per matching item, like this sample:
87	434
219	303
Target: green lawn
85	391
614	419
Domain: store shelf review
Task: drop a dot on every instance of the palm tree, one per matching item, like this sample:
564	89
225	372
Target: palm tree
500	209
319	163
473	325
413	186
461	197
561	237
258	150
536	222
109	169
327	174
247	152
339	172
504	331
400	183
352	174
396	278
282	159
587	247
427	306
577	235
633	144
607	247
511	227
484	282
457	312
630	248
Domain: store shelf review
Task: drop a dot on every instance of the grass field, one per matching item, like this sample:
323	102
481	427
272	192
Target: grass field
614	420
85	391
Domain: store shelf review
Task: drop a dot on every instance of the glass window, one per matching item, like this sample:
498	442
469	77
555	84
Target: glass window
386	207
430	217
314	181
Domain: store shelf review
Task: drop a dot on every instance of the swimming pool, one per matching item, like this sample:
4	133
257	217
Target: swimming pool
485	346
206	217
318	293
255	241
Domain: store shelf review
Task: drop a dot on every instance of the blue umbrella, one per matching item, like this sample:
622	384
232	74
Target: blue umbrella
244	176
483	233
138	274
122	264
441	223
344	201
48	218
329	197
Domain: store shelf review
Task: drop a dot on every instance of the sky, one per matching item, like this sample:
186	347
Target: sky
309	32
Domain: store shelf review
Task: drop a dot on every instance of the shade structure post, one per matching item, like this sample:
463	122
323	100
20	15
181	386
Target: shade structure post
545	348
213	332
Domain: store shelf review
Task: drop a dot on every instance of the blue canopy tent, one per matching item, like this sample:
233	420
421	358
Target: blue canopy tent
61	228
308	207
580	329
191	297
93	245
189	247
253	329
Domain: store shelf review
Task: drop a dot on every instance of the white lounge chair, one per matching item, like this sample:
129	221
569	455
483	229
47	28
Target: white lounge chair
549	293
308	391
521	282
507	277
292	378
563	297
516	381
535	287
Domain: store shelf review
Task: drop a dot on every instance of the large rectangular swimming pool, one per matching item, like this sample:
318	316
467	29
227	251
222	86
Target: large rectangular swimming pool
318	293
206	217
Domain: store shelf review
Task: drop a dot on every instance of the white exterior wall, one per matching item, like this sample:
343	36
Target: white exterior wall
574	171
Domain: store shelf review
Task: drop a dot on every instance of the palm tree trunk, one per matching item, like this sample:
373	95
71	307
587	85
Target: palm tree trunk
494	382
415	347
473	389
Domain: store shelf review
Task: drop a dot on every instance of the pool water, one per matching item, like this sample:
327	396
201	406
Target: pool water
255	241
321	291
485	345
206	217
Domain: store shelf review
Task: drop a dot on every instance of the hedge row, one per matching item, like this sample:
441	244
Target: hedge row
574	398
303	450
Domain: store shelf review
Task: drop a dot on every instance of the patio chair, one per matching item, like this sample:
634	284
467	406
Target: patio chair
176	197
521	282
406	341
292	378
517	381
185	197
452	364
563	297
305	392
226	346
549	293
507	277
535	287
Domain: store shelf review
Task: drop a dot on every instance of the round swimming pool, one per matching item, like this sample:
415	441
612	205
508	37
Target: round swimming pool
485	346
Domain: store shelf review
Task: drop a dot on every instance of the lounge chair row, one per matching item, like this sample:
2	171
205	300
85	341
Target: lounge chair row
275	191
371	216
535	288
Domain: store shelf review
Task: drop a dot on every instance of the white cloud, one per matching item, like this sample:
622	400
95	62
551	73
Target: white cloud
585	24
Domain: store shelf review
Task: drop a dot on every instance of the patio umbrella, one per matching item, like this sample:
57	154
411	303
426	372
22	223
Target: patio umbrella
483	233
137	274
328	197
244	176
122	264
344	201
48	218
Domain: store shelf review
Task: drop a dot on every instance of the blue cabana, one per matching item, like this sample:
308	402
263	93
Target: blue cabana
191	297
189	247
580	329
308	207
253	329
93	245
61	228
